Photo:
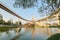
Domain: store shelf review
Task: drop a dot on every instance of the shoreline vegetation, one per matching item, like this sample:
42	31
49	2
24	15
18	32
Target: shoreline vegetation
7	28
12	26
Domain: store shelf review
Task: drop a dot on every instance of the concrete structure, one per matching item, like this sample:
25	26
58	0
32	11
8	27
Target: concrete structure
4	7
52	20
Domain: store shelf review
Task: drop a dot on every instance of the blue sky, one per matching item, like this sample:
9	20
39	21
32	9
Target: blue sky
25	13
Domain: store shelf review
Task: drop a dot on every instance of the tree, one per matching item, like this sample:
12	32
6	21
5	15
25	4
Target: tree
53	3
10	22
2	21
16	23
48	6
54	37
25	3
1	17
31	3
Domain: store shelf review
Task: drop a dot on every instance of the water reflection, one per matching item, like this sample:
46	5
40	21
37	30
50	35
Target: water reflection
28	34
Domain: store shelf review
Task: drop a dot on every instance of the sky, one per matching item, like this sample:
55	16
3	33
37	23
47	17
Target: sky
25	13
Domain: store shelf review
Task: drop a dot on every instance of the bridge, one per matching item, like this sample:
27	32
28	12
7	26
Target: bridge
2	6
53	19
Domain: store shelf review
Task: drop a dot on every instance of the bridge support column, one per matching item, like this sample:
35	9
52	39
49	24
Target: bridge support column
47	21
59	19
57	16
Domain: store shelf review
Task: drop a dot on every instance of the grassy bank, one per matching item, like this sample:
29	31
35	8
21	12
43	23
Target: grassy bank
54	26
3	29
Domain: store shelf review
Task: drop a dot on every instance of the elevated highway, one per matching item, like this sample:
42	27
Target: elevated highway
40	22
52	19
2	6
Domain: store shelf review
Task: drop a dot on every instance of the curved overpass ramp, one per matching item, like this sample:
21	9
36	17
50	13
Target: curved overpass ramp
10	11
13	13
53	13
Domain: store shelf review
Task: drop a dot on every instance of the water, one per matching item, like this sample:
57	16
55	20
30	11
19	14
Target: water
28	34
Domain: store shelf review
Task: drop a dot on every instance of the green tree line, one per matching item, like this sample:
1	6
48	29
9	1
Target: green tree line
9	22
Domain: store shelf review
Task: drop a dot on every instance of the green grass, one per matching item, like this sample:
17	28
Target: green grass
4	29
54	26
54	37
